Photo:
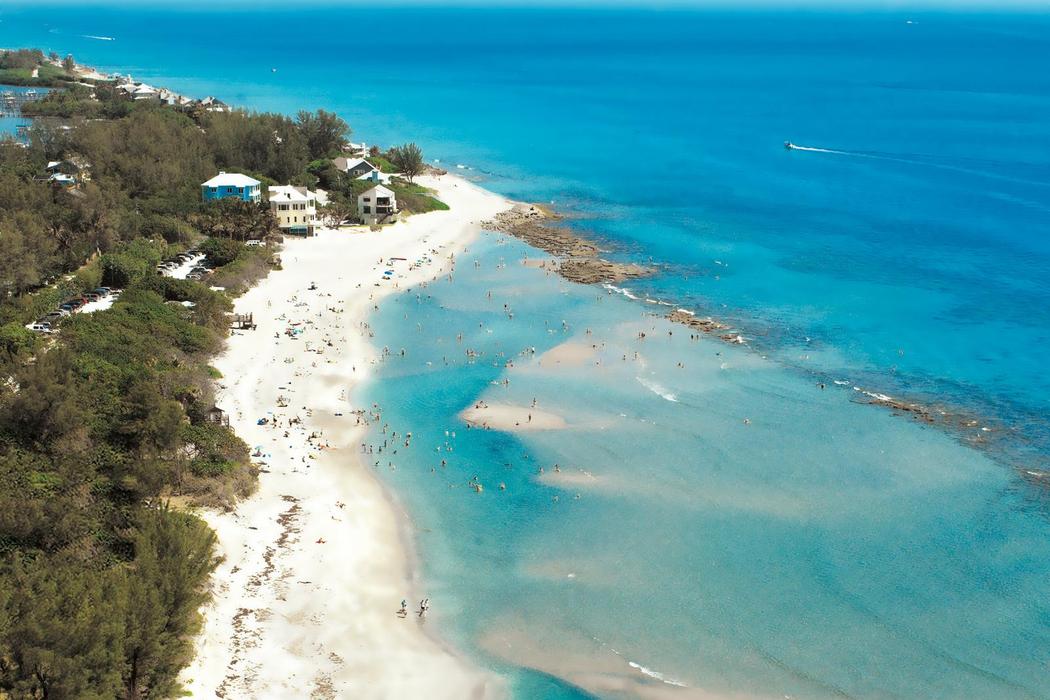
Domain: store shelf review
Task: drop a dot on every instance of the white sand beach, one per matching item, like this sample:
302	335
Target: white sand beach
569	354
510	418
316	563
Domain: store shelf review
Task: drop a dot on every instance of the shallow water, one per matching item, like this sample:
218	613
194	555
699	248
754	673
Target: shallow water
9	122
907	252
822	548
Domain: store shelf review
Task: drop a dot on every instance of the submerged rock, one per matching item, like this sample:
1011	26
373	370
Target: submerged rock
578	259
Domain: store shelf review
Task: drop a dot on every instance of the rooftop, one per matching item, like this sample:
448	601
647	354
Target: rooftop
224	179
379	191
288	193
352	163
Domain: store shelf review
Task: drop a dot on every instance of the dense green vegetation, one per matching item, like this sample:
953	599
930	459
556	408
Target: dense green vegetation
343	190
414	198
17	68
106	425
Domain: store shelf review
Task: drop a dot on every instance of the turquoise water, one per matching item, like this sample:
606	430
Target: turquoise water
913	261
822	548
9	123
738	530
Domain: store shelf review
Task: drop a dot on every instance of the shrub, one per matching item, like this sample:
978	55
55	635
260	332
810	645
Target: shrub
221	251
16	340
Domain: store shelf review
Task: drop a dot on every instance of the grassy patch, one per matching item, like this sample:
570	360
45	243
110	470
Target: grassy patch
415	199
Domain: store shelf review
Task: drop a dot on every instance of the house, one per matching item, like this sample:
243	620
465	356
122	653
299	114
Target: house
377	205
218	416
231	186
211	104
354	167
145	92
294	207
69	166
62	180
170	98
356	150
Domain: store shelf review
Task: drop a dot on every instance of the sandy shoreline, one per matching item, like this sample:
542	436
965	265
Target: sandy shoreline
315	563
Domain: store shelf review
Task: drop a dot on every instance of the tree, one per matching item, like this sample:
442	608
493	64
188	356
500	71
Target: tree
68	64
64	638
165	586
15	339
238	220
267	144
408	159
325	132
221	251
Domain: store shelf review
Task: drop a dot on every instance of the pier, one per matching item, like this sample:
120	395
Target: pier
11	101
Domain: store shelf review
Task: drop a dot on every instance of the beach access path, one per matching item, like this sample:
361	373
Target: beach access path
316	563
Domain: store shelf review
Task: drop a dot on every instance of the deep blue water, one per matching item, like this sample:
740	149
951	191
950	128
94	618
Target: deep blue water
915	262
834	549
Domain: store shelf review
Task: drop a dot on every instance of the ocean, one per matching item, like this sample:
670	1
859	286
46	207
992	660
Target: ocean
822	548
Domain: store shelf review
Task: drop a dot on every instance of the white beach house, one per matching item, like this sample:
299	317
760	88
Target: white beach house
377	205
294	207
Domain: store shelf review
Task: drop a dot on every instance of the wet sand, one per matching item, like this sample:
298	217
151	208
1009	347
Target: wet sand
506	417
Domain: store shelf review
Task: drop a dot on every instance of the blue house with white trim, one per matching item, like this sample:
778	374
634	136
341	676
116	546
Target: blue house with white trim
231	186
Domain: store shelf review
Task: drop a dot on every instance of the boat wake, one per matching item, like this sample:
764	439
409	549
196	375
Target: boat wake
814	149
952	163
97	38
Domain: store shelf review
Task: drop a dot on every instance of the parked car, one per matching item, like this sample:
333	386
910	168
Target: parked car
102	291
41	327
